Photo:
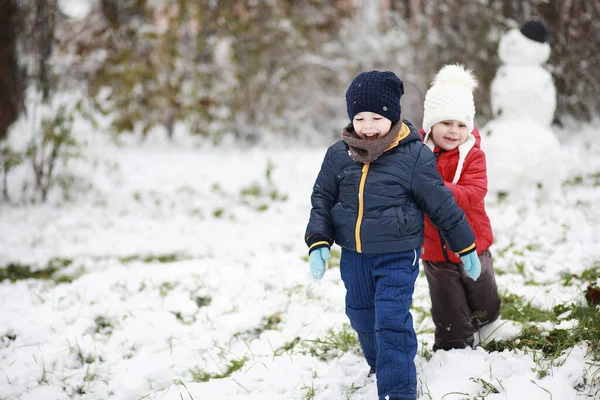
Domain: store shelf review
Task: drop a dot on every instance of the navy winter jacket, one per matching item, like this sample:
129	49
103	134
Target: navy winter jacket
378	207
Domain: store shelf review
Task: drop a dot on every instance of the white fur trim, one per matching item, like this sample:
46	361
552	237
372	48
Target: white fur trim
428	140
463	150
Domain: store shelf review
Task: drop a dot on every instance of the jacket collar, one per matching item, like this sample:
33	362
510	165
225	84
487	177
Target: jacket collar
368	151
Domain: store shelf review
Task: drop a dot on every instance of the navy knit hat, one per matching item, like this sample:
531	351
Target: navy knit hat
375	91
535	30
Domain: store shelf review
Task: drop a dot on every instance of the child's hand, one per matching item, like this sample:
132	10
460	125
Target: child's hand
472	265
317	262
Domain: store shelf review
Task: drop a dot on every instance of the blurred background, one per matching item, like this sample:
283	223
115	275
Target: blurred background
245	69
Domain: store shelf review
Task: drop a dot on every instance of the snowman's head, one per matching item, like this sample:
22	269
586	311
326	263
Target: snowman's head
517	49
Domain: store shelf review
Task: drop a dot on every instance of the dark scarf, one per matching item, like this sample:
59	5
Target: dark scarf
366	151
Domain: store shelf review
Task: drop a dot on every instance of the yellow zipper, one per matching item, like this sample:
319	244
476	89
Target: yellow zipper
361	206
404	131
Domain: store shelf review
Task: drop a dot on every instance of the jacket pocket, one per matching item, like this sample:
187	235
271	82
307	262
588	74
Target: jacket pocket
402	228
343	224
337	213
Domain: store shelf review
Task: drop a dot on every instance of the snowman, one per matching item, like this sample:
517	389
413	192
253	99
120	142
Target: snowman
523	153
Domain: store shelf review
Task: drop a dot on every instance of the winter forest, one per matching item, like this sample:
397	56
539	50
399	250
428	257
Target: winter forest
157	159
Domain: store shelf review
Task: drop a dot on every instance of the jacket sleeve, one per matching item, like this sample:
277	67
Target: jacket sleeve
320	230
471	188
438	203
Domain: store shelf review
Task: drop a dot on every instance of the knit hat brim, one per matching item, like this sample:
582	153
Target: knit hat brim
375	91
447	114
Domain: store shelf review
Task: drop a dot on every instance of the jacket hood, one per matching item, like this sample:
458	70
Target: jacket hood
473	141
413	135
477	136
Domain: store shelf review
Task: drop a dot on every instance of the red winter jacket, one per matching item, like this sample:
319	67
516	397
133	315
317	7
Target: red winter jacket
469	187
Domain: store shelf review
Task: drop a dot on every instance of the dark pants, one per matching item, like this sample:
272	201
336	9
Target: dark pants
460	305
379	289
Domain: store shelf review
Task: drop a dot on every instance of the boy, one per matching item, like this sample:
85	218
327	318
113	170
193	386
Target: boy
369	197
459	305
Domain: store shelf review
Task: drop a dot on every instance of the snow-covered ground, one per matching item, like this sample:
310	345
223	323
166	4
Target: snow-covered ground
233	291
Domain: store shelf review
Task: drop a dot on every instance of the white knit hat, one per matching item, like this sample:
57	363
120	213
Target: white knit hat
450	98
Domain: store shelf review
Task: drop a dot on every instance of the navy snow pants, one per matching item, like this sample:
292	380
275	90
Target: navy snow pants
379	289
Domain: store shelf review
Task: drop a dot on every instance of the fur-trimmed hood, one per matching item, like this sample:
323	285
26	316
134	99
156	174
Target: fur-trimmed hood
473	140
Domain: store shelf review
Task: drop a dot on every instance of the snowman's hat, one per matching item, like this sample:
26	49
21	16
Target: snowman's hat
535	30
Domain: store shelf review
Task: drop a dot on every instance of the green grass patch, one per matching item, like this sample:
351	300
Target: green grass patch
52	271
257	191
184	320
258	196
309	392
253	190
592	179
590	275
199	375
336	257
334	345
152	258
270	322
103	325
517	308
289	347
520	267
419	314
84	358
533	247
202	301
166	287
554	342
425	351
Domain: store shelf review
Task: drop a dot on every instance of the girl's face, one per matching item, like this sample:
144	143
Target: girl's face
449	134
371	126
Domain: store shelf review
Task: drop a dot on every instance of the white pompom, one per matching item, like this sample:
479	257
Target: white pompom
455	74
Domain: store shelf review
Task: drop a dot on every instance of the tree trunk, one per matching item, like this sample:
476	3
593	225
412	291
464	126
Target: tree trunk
45	23
110	10
11	93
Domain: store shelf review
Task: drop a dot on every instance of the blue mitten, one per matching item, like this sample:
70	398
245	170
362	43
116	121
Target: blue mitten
317	262
472	265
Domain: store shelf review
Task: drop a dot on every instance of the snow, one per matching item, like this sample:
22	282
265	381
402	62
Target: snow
76	9
239	288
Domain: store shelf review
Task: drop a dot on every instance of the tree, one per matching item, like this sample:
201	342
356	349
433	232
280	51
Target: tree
44	17
468	32
573	28
11	95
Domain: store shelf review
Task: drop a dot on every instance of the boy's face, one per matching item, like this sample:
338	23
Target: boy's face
371	126
449	134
